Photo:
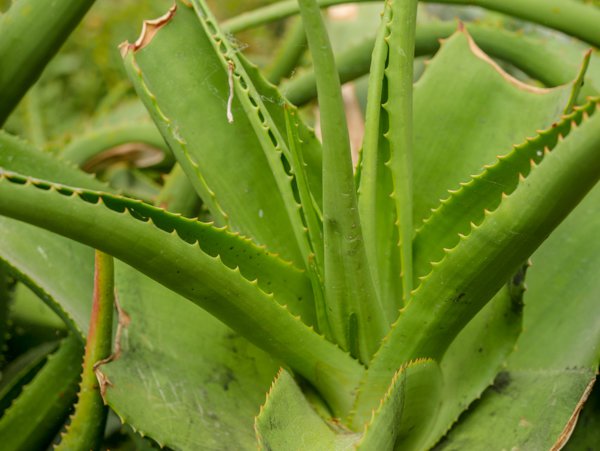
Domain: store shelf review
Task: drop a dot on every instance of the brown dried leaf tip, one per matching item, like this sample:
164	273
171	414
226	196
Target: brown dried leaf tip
149	29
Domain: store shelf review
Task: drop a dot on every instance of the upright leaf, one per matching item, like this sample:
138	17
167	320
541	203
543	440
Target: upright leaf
376	207
254	196
399	73
354	311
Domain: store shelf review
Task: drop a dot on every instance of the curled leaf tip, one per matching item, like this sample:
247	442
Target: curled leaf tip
149	30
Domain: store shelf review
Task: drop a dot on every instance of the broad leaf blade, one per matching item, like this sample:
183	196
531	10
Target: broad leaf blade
465	113
204	382
535	404
478	353
246	195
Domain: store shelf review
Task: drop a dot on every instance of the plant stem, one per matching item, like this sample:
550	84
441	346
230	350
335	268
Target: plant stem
574	18
88	421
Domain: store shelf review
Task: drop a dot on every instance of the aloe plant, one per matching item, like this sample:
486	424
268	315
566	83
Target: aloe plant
441	294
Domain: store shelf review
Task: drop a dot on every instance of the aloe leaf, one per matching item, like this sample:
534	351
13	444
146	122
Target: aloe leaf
568	326
399	106
311	151
376	206
288	421
313	222
540	59
205	383
484	191
256	196
407	410
86	428
188	267
36	415
354	311
20	371
24	53
472	272
451	142
569	16
31	252
536	406
478	354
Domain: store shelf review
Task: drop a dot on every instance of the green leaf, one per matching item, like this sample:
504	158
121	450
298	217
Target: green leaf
472	272
354	312
204	382
401	134
560	315
587	430
484	191
536	405
465	113
84	148
407	411
255	195
288	421
478	353
194	270
36	415
20	371
376	207
47	263
31	33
